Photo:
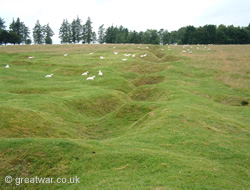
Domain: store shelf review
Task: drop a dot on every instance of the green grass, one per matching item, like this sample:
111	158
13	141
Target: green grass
170	120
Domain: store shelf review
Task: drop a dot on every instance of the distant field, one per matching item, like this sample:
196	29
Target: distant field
177	118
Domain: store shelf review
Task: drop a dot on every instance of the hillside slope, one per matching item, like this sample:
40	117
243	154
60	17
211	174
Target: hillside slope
167	120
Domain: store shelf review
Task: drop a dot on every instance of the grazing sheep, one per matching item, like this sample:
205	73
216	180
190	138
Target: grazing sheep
100	73
85	73
65	54
133	55
115	52
31	57
91	53
7	66
90	78
124	59
101	57
49	76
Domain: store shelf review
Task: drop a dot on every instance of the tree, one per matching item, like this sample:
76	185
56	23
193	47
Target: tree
165	37
88	31
73	31
65	32
28	41
2	26
133	37
38	33
15	26
13	37
20	29
189	35
48	33
4	37
94	37
221	35
160	33
151	37
173	37
210	34
24	32
101	34
78	30
110	35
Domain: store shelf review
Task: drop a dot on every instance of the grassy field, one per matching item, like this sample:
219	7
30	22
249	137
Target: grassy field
170	120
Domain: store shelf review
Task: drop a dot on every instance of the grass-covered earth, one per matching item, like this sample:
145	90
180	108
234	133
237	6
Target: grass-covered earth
169	120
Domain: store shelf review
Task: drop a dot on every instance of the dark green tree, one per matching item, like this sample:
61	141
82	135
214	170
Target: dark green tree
13	38
87	31
2	24
38	33
101	34
65	32
76	30
189	35
20	29
4	37
160	33
165	37
110	35
221	35
94	38
48	33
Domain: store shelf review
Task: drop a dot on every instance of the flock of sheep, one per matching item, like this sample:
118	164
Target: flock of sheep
116	53
86	73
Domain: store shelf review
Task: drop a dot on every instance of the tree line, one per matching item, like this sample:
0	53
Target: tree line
19	33
76	32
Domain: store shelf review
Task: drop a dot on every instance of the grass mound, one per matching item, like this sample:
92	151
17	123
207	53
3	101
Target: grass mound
169	120
98	104
146	80
148	93
20	123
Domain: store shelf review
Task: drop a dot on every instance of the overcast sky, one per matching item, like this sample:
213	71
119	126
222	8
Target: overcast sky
136	15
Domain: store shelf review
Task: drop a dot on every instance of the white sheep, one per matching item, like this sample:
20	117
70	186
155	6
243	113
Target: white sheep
124	59
85	73
91	53
65	54
133	55
7	66
100	73
49	76
90	78
31	57
101	57
115	52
